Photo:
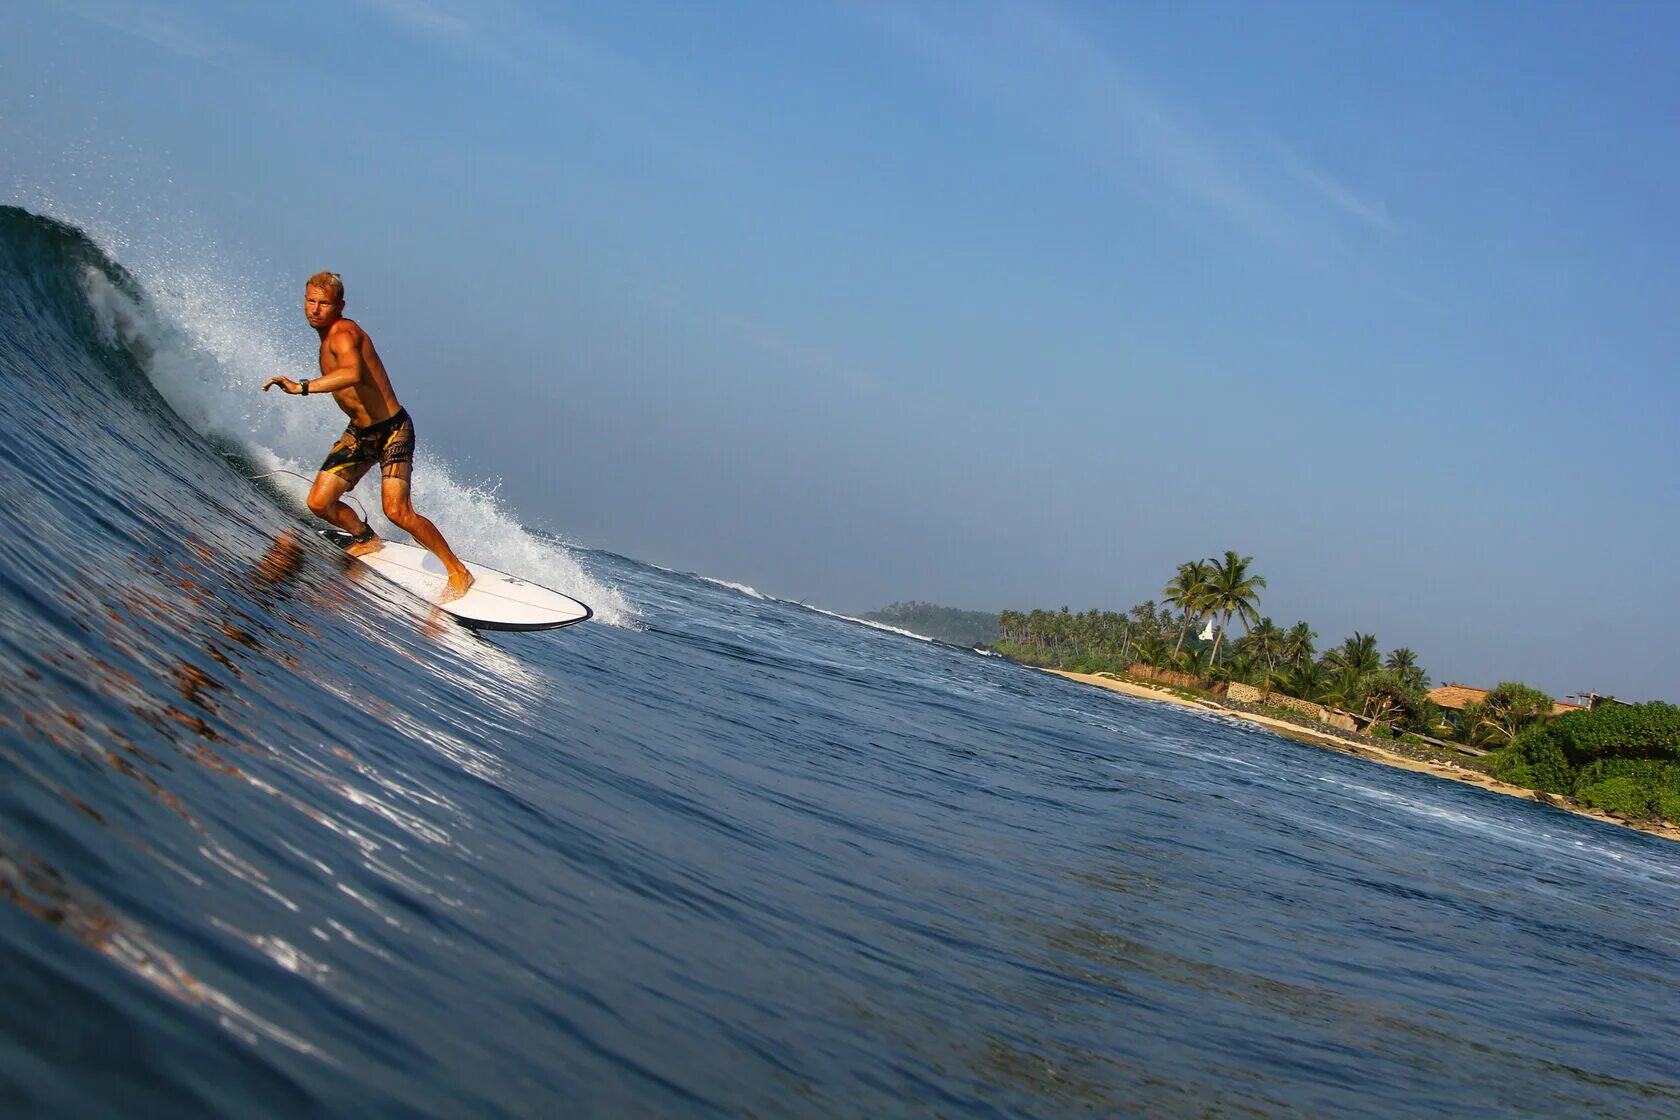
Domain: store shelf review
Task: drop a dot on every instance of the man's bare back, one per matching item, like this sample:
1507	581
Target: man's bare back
380	431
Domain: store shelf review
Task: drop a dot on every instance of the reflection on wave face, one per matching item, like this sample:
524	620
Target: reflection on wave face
278	840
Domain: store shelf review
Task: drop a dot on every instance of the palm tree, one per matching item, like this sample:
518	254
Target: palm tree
1306	679
1010	626
1403	663
1193	661
1348	663
1356	656
1298	644
1339	689
1152	650
1231	590
1188	592
1144	613
1266	642
1241	665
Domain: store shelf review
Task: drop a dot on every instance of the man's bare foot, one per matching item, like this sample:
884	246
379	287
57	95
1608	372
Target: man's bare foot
362	545
458	584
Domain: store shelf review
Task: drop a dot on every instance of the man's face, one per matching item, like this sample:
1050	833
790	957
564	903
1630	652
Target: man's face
319	307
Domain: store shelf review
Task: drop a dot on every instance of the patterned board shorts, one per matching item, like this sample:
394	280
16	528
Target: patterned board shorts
390	443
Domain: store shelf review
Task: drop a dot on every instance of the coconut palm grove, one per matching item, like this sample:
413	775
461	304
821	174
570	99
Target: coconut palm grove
1621	758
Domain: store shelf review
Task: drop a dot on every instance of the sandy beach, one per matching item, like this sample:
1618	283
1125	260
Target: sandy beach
1327	738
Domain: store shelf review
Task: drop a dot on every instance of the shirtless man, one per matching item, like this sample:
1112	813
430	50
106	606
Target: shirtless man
379	432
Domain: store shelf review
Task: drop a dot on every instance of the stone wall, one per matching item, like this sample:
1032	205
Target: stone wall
1296	704
1248	694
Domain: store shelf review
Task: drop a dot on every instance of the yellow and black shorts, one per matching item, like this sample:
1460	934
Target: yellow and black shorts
390	443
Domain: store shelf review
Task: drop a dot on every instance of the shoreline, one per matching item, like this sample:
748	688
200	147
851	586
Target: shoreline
1326	737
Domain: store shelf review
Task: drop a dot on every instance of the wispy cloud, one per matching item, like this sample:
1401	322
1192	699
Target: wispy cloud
1042	66
1370	211
169	29
427	16
532	46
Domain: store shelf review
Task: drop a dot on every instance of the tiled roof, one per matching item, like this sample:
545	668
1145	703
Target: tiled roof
1456	696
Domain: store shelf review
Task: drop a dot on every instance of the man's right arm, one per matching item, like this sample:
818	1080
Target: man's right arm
348	369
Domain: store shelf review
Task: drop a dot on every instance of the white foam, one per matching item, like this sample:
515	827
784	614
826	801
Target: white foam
873	625
207	348
749	592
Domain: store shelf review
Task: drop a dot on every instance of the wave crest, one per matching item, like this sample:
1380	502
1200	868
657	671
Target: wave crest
201	347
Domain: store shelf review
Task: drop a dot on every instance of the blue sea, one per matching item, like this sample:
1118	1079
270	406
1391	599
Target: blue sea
278	840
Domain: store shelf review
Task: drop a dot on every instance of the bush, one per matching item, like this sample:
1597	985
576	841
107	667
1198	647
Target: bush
1411	740
1636	787
1652	772
1624	794
1650	731
1426	718
1534	760
1381	731
1622	759
1508	711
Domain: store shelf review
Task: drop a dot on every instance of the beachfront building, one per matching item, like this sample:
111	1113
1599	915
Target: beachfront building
1452	699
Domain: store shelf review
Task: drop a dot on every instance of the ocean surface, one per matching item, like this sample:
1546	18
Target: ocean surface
277	840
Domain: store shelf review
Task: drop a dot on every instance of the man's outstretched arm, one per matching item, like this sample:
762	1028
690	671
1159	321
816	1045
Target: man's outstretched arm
347	370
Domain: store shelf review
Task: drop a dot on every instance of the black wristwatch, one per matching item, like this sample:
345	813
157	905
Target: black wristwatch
303	387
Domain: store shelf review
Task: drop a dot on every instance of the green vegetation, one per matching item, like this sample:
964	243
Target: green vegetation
1211	594
947	624
1622	758
1506	712
1092	642
1231	590
1618	757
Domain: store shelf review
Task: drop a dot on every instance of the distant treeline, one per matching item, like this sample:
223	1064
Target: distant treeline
947	624
1620	758
1191	632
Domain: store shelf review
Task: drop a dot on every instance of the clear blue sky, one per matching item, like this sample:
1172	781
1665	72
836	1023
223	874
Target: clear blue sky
992	304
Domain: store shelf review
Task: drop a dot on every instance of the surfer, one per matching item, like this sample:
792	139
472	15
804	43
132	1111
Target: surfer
379	432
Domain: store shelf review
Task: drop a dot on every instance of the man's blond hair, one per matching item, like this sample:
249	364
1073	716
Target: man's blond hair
328	282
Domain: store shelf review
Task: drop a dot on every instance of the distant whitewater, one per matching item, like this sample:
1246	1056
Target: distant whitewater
277	840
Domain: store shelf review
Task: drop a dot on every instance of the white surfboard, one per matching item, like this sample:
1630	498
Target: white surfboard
495	601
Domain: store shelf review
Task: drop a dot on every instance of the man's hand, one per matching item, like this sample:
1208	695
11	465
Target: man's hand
287	385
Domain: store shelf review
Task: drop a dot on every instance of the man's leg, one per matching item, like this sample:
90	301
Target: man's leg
324	502
400	510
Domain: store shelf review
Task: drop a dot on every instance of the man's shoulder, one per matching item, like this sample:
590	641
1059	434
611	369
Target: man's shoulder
345	330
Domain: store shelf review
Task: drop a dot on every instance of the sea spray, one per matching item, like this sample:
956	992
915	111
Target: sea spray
207	347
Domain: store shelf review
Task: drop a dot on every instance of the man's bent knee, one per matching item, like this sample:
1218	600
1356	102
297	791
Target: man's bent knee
397	501
324	495
402	516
